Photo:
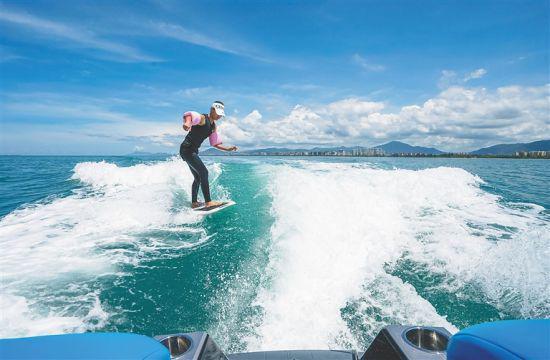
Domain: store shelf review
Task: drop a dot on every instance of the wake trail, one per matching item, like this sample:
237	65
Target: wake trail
339	229
54	254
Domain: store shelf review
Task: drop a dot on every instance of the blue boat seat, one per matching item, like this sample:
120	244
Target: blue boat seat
502	340
84	346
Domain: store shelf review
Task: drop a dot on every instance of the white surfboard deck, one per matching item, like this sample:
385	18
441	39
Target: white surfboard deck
205	210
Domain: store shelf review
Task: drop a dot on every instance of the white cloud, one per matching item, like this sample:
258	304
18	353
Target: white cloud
84	116
354	106
77	36
72	35
450	78
179	33
367	65
476	74
63	107
457	119
193	92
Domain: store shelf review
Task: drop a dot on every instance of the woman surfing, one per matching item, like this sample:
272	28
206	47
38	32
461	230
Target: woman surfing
200	127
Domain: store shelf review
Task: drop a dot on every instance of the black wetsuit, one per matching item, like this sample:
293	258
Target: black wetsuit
189	151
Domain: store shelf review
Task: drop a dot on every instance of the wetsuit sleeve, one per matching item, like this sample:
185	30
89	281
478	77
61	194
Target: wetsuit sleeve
215	139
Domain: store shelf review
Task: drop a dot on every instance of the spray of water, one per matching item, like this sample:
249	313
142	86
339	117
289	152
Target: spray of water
54	254
340	229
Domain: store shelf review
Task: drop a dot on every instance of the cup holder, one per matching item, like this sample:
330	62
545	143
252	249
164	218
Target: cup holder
427	339
177	345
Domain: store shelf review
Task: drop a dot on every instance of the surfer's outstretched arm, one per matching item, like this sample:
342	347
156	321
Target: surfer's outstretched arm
216	141
226	148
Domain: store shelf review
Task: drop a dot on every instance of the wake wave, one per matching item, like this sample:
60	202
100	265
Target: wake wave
54	253
341	231
352	248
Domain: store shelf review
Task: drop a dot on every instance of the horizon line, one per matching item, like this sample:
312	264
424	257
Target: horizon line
282	147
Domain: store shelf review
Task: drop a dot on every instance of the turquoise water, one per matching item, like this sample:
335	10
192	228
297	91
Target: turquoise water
317	253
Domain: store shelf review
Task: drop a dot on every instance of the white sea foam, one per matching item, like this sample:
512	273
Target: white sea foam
109	223
338	226
337	229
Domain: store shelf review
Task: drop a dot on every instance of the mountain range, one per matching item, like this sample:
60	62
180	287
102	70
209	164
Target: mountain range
392	147
511	149
398	147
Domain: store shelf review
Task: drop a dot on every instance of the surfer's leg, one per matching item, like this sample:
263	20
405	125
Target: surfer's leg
203	175
187	156
195	185
196	163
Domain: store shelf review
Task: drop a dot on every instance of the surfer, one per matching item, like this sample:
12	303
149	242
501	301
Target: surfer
200	127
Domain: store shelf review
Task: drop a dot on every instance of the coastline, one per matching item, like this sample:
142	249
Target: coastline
445	156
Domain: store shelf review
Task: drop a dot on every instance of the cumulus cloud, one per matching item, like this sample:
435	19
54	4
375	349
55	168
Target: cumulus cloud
458	118
354	106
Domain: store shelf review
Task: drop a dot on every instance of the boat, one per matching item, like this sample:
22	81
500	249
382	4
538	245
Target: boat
508	339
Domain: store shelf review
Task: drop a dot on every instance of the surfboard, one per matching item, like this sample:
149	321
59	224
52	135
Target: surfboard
205	210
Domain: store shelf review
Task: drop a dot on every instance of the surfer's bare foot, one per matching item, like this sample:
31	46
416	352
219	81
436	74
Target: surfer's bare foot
196	205
214	203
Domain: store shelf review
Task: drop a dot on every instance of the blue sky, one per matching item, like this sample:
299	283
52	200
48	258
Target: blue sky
104	77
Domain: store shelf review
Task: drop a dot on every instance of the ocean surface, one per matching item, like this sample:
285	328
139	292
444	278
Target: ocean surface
317	252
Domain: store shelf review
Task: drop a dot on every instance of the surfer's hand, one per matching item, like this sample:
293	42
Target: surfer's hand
233	148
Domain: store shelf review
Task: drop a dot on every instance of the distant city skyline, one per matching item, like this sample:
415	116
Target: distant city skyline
113	77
